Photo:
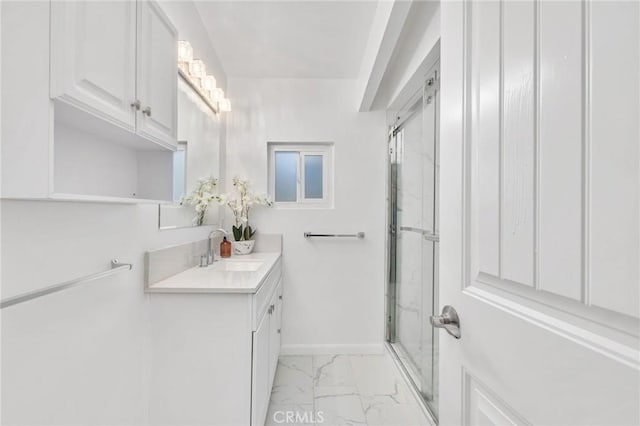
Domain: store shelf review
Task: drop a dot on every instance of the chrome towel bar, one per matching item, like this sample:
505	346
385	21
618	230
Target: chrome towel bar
359	235
116	267
426	234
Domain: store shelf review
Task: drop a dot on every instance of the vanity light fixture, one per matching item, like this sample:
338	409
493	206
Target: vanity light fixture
194	72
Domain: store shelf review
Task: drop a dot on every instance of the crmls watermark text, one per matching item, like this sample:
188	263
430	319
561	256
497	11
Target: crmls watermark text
299	417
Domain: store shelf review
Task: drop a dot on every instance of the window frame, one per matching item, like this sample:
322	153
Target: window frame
323	149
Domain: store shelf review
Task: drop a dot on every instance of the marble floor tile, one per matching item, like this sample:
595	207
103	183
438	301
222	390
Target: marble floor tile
290	414
394	415
293	383
342	390
294	369
339	405
377	378
332	370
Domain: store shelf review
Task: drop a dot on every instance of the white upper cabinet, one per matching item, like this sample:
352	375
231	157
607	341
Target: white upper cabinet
157	75
117	61
93	58
89	96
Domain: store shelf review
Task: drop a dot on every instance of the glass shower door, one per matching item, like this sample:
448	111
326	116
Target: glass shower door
414	242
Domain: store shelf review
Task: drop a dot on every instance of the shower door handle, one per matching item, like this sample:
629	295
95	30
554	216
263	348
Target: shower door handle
449	320
429	236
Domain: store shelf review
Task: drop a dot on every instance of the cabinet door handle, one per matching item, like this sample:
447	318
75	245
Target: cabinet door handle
271	308
278	331
147	111
136	104
280	297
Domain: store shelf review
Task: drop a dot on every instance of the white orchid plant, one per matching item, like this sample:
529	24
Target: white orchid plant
240	203
203	194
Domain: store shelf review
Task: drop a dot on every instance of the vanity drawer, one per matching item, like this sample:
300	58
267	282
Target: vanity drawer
263	296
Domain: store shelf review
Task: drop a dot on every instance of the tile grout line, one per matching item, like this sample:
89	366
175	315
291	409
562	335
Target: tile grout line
358	390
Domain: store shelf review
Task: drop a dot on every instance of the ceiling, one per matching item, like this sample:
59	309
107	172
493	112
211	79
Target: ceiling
289	39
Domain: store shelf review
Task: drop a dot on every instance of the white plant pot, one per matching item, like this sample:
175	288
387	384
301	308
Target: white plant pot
243	247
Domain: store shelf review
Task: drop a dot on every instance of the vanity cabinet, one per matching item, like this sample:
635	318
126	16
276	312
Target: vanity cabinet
266	349
215	351
117	60
260	376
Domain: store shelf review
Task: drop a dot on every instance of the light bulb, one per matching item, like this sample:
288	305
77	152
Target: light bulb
224	105
197	68
208	83
217	94
185	51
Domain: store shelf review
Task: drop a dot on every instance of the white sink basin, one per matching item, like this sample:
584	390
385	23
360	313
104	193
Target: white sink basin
241	265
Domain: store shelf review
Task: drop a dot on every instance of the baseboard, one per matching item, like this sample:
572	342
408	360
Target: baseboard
337	349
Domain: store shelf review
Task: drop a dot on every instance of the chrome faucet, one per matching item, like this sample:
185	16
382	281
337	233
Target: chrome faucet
210	252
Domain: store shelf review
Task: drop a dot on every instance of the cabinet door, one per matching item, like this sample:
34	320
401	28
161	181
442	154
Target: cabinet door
275	332
260	389
93	57
157	77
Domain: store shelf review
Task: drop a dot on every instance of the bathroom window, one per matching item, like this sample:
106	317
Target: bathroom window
301	174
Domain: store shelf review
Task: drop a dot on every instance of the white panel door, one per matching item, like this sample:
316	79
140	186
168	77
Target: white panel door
93	57
157	75
540	255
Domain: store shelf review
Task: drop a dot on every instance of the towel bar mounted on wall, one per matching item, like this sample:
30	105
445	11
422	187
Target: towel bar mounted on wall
359	235
116	267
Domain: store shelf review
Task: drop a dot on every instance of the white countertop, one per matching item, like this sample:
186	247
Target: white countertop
223	276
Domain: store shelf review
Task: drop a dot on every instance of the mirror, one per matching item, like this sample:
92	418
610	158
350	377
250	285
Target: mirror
180	172
198	156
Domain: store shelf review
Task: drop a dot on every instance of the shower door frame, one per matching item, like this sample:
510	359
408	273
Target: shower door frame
430	88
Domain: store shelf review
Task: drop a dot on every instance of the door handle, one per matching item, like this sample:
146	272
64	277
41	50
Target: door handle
147	111
449	320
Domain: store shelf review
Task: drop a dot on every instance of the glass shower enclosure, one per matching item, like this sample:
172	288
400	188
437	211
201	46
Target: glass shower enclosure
413	239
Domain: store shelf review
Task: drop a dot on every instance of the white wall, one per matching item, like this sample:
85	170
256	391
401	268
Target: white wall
187	20
80	357
334	289
410	59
